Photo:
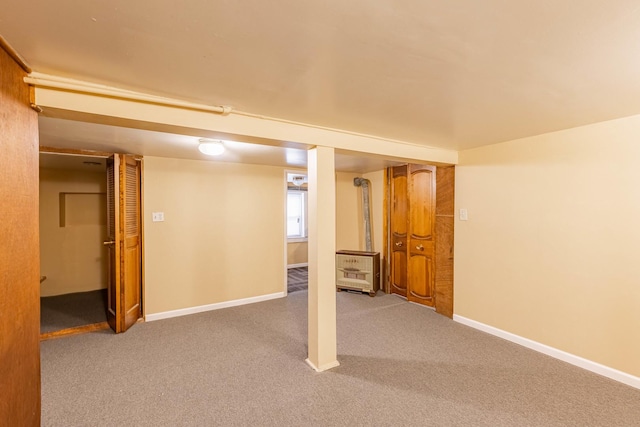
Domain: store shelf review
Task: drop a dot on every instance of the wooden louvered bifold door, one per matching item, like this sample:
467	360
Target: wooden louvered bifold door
130	231
124	241
111	242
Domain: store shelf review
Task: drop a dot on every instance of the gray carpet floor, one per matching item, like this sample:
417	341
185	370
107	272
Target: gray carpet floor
401	365
297	279
71	310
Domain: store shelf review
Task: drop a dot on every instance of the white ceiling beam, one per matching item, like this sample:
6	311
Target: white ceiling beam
75	100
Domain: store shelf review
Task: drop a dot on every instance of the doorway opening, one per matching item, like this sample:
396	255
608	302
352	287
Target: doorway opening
296	256
90	241
73	261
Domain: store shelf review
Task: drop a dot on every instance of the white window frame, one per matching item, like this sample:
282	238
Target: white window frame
303	237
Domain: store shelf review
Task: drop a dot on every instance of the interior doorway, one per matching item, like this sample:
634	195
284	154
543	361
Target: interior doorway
73	266
296	233
90	241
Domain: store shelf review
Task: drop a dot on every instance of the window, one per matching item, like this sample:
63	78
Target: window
296	214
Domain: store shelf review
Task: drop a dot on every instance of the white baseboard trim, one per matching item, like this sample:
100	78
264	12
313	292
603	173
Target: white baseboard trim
578	361
302	264
210	307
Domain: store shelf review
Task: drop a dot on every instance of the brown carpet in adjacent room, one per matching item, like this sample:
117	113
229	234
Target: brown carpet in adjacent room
70	310
401	365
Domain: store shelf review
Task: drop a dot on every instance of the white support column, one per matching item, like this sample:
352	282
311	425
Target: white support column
322	247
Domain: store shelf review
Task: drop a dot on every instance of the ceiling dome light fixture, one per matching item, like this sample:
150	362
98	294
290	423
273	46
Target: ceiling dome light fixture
211	147
298	180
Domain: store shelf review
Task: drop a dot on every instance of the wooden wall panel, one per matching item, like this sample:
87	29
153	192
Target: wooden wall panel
444	265
19	251
445	179
444	194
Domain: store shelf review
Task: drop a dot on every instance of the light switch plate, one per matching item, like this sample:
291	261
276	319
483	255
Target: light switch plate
157	216
463	215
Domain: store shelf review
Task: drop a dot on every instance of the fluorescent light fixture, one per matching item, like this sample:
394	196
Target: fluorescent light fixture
211	147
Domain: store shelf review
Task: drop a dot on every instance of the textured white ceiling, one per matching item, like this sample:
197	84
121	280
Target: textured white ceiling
453	74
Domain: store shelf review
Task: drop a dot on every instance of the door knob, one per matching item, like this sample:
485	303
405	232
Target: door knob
398	244
420	247
110	242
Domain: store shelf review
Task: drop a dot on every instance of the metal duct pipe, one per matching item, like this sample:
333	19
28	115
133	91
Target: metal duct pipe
365	183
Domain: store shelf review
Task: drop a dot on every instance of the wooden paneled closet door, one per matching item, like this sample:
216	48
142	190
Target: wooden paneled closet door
398	230
421	236
412	228
124	242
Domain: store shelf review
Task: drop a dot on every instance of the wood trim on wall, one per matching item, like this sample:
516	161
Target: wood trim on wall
19	249
17	58
102	326
142	245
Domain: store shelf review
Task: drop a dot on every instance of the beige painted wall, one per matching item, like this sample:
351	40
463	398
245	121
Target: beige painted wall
550	250
349	232
223	234
297	253
72	257
349	216
377	200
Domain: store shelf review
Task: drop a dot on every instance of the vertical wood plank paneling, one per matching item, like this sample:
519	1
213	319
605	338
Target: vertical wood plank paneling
444	193
445	176
444	265
19	251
